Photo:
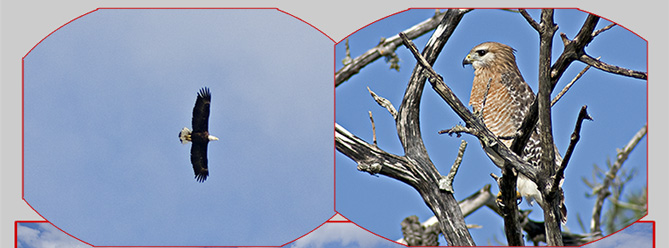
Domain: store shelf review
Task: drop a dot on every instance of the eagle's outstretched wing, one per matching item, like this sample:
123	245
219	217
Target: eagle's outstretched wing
201	111
198	157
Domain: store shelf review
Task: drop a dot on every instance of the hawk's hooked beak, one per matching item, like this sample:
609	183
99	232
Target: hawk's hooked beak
466	61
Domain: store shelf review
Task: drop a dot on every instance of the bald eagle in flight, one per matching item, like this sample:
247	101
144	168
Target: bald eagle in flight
200	135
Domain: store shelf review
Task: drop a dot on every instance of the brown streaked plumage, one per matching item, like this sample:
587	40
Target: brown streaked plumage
506	104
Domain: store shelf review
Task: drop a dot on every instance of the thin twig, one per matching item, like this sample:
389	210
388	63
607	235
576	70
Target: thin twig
568	86
602	191
371	119
384	103
347	60
529	19
485	97
627	205
575	137
603	29
575	50
585	58
421	60
458	130
387	46
446	182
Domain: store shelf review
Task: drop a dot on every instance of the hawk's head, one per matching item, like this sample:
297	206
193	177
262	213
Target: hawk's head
490	54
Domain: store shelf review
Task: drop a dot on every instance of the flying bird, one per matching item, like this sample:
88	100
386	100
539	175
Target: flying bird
504	107
200	135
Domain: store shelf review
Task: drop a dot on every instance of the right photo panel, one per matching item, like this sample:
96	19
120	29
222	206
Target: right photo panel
493	127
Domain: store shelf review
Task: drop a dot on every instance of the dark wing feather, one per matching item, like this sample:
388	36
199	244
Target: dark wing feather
201	111
198	157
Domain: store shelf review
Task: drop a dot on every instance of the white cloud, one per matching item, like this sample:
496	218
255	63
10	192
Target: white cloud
341	235
45	235
625	238
26	234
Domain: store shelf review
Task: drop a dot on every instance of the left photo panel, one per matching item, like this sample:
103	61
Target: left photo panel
180	127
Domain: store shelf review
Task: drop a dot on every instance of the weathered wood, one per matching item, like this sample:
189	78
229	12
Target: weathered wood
442	203
385	47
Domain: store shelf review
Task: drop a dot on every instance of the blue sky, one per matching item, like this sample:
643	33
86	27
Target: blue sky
106	95
617	104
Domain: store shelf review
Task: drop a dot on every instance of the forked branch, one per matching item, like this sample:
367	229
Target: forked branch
603	190
386	47
415	167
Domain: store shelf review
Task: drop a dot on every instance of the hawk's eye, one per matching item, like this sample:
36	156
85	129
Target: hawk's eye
481	52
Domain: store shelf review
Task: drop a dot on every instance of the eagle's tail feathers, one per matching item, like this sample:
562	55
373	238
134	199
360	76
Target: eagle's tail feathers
184	135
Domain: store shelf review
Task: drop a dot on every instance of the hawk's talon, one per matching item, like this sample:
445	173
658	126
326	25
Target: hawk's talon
500	203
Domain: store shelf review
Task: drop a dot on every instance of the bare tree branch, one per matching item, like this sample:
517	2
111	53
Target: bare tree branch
474	125
535	229
628	205
458	130
416	234
552	213
603	29
446	182
508	206
384	103
529	19
485	98
371	119
575	50
568	86
385	48
575	137
469	205
612	68
373	160
408	129
603	190
415	167
489	141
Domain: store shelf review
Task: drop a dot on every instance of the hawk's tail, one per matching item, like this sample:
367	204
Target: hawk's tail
563	208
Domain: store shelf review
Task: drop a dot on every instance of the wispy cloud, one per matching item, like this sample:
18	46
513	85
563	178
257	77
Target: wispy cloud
341	235
639	235
44	235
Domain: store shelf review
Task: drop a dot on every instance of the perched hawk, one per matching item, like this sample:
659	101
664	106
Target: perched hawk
504	108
